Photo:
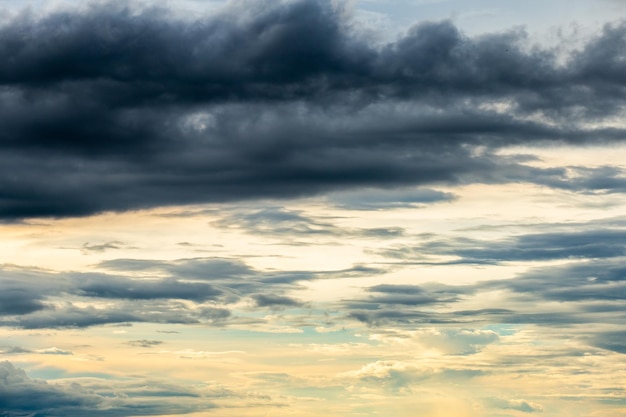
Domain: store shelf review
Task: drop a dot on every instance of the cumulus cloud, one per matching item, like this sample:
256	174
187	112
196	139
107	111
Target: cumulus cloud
450	341
281	102
399	375
516	404
21	395
54	351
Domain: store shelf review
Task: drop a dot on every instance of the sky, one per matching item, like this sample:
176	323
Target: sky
313	208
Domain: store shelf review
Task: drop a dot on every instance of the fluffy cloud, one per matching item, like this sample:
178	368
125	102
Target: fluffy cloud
400	376
517	404
444	340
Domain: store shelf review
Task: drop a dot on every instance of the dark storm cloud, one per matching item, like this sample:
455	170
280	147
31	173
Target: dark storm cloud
116	107
23	291
20	301
379	199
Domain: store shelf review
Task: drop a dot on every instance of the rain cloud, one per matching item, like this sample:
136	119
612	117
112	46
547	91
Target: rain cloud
116	107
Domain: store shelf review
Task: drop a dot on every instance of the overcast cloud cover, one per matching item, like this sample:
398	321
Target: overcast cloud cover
312	207
272	99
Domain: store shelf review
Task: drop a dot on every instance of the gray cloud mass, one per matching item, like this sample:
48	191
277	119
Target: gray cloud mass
583	244
21	395
115	107
189	291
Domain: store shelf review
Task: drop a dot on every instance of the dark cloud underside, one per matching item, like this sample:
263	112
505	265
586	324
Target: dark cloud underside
584	244
592	291
21	395
116	108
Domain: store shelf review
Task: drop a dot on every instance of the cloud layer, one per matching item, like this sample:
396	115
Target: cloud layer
21	395
115	107
460	250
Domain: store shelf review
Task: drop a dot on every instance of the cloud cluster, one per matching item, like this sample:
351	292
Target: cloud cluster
587	286
517	404
195	290
21	395
117	107
570	295
400	376
543	246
